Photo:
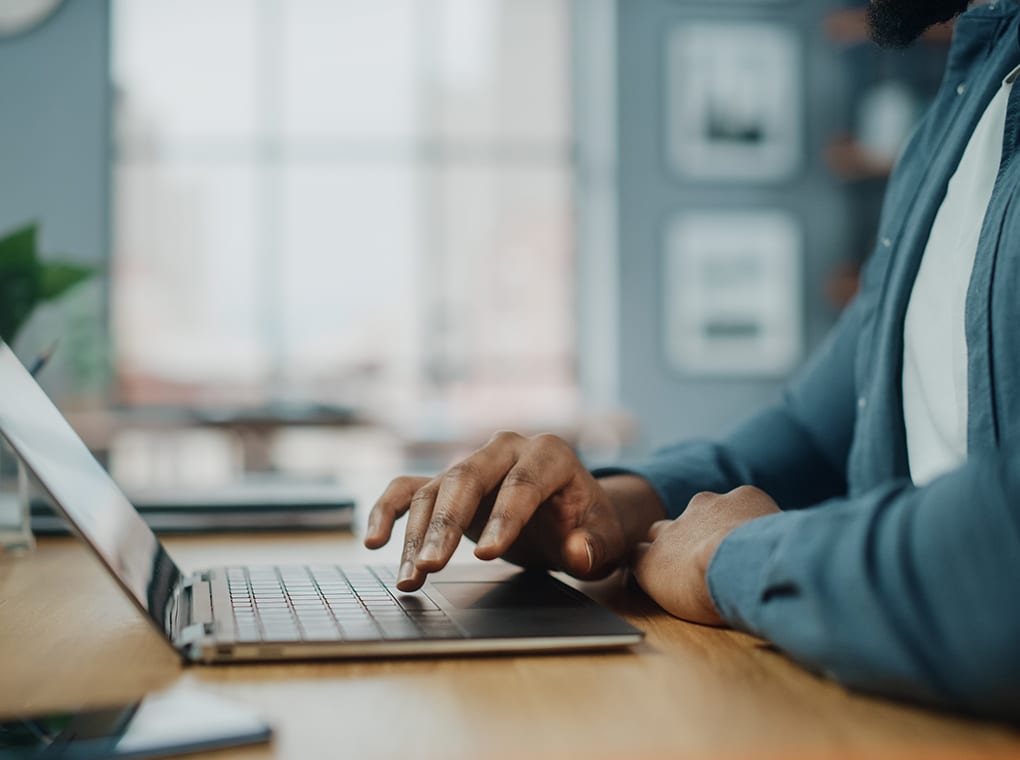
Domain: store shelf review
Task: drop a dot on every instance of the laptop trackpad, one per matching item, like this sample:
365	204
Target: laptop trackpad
520	592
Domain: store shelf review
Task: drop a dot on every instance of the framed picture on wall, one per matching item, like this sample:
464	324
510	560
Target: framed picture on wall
732	296
734	103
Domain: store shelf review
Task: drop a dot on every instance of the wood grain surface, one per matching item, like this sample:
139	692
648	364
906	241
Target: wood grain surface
68	637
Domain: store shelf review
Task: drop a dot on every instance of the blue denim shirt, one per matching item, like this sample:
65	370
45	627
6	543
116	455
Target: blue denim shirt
886	587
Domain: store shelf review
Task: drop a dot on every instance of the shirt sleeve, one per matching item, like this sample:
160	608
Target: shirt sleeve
902	591
795	450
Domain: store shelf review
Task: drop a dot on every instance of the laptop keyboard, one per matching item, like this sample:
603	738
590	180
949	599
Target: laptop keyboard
329	603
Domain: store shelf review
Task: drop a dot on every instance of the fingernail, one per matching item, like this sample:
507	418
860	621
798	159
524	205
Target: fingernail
591	556
406	571
490	535
430	553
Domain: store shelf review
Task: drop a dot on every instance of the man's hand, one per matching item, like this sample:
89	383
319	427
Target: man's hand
671	567
529	500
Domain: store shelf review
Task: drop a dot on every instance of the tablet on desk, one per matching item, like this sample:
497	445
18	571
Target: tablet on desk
167	723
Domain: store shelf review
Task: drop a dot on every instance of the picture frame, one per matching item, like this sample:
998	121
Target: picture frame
732	293
734	101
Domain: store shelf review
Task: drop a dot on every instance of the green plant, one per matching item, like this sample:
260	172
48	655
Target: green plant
26	280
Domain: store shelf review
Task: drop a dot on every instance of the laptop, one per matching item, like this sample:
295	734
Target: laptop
242	613
255	503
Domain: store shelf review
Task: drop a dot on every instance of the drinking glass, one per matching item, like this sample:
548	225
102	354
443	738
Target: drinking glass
15	514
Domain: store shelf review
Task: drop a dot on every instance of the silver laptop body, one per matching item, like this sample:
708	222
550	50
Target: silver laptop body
299	612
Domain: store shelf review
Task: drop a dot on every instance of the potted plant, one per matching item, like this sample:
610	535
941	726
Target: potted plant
25	282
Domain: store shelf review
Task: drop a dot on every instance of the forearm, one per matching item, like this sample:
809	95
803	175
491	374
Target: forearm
906	592
771	451
795	450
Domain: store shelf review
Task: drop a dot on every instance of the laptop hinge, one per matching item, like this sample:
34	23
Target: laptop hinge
190	604
199	601
177	609
194	633
194	578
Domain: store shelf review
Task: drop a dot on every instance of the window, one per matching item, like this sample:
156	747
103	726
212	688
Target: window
361	202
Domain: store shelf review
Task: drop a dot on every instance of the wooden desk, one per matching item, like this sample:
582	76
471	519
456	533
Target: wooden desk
68	637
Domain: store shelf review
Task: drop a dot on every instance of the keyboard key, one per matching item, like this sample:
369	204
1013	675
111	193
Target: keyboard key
321	632
318	625
415	602
278	625
347	610
359	633
387	618
353	619
288	636
380	604
316	621
393	631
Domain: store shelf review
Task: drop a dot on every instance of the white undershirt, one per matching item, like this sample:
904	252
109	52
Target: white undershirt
935	344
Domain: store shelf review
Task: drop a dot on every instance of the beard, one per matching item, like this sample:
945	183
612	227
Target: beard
897	23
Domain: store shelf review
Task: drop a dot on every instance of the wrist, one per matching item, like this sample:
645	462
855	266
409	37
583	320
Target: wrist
706	551
636	505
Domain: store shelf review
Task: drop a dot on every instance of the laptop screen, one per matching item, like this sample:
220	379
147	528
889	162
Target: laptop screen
83	491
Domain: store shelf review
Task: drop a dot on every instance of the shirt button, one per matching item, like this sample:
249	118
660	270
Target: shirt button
861	403
886	243
960	89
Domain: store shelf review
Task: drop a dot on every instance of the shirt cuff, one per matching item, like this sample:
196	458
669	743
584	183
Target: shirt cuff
742	575
680	472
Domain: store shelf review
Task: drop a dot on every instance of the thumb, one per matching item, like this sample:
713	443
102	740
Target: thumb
579	553
596	548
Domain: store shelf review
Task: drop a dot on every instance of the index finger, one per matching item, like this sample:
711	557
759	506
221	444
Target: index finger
540	472
461	491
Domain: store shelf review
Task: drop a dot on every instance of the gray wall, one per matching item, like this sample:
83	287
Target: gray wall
54	165
54	143
668	406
